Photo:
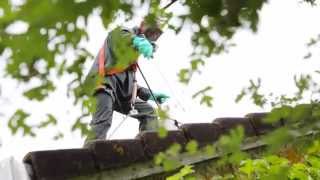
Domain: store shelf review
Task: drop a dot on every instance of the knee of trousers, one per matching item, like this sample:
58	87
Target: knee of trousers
104	109
101	122
99	131
102	117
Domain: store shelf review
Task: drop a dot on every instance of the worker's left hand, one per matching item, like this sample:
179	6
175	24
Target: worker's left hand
159	97
143	46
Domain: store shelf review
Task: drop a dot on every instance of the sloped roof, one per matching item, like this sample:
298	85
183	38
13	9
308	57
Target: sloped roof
102	156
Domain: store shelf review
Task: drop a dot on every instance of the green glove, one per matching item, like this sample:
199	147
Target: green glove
143	46
159	97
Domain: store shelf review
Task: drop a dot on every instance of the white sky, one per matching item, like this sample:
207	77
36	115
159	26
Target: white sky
275	54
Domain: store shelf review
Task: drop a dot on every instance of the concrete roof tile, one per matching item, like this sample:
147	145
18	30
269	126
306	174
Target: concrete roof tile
228	123
60	164
153	144
102	155
260	126
203	133
115	153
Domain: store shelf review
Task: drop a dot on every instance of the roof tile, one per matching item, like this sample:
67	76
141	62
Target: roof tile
100	155
260	126
60	164
116	153
153	144
229	123
203	133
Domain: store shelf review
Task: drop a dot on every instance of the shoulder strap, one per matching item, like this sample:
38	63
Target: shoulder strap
101	60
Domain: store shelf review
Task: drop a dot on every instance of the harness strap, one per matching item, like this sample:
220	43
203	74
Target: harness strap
102	58
101	61
102	72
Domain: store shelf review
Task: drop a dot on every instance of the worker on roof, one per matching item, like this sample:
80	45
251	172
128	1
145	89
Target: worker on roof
114	71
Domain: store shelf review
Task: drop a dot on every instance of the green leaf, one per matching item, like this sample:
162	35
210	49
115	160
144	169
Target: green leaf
170	164
207	100
277	138
232	141
209	150
314	161
278	113
237	156
301	112
58	136
314	148
195	64
240	96
302	83
62	68
122	48
247	167
82	126
184	76
158	159
254	92
162	113
173	150
276	160
18	121
299	171
186	170
202	91
192	147
40	92
162	132
50	121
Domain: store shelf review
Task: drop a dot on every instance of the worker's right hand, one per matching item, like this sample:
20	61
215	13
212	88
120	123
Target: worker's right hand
143	46
159	97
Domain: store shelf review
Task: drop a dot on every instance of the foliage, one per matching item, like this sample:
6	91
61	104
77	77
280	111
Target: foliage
312	43
168	159
292	150
205	99
295	160
273	167
277	167
49	29
186	170
17	121
299	161
257	97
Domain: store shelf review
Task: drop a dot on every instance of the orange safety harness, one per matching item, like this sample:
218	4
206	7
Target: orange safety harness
101	61
101	64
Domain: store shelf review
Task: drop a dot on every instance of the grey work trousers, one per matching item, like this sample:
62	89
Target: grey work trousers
106	104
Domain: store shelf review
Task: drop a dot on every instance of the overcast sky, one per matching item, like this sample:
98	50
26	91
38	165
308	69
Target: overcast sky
275	54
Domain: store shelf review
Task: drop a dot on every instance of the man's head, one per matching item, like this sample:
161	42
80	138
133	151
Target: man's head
152	31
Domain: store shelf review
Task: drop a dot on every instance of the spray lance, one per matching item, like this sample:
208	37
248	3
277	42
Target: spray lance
157	33
153	35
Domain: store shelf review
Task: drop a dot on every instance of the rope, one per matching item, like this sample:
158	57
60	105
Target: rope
171	90
176	122
133	99
168	5
119	125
